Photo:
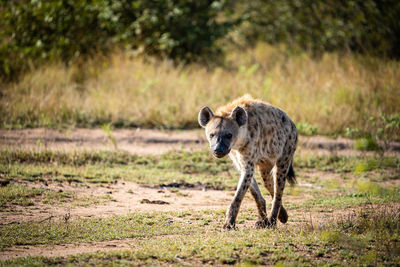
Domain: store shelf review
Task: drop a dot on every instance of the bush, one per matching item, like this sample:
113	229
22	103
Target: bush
370	26
70	30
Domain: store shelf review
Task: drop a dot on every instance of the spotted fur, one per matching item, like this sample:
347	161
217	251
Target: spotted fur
254	134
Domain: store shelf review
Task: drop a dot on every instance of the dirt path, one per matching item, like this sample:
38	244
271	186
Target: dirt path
147	141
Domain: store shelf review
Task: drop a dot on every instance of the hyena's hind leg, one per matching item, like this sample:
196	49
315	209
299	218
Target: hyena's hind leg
265	168
262	212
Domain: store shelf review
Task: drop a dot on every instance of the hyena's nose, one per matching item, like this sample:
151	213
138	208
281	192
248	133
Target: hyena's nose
219	149
219	152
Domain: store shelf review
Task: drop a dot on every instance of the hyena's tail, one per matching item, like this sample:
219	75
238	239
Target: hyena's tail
291	176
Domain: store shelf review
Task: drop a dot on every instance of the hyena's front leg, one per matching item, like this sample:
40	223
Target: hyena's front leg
246	176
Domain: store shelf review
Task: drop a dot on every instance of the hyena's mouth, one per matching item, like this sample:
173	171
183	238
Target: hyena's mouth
220	154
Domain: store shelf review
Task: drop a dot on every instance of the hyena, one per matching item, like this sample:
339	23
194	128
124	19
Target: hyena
254	133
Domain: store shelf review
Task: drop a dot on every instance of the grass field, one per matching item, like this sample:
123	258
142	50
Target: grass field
344	210
129	91
66	199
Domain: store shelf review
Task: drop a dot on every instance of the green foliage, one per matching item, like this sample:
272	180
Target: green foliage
383	127
107	129
367	143
72	30
307	129
388	126
363	26
185	31
40	30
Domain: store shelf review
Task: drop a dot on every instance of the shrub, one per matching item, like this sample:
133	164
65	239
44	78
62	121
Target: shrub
70	30
370	26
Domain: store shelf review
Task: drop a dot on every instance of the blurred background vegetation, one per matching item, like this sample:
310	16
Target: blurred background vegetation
332	65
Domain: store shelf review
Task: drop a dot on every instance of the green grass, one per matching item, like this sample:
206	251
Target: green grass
195	167
106	167
370	236
352	200
24	196
366	144
343	164
134	225
20	195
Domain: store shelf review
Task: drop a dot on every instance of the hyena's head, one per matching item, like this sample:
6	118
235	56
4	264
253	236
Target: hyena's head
222	131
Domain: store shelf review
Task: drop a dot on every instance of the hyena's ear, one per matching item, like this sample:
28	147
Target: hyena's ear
239	115
205	116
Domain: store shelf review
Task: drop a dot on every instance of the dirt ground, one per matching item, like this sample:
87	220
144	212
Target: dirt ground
128	197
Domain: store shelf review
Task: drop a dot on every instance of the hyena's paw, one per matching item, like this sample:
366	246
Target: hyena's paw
229	226
283	216
270	222
261	223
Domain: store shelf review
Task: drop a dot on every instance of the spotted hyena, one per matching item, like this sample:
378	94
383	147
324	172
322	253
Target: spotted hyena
254	133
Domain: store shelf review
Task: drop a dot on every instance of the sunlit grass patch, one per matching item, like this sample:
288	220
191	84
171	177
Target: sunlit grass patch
365	186
107	167
369	188
293	191
373	229
186	162
366	143
333	183
18	195
356	238
26	196
365	192
343	164
306	129
91	229
71	158
21	195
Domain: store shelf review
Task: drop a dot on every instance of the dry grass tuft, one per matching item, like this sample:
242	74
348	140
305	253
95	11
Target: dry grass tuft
332	93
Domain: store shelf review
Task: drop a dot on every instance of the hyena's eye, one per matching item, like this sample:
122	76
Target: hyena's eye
212	135
229	135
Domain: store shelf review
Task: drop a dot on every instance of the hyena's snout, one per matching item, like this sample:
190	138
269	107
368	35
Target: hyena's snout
220	148
220	152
